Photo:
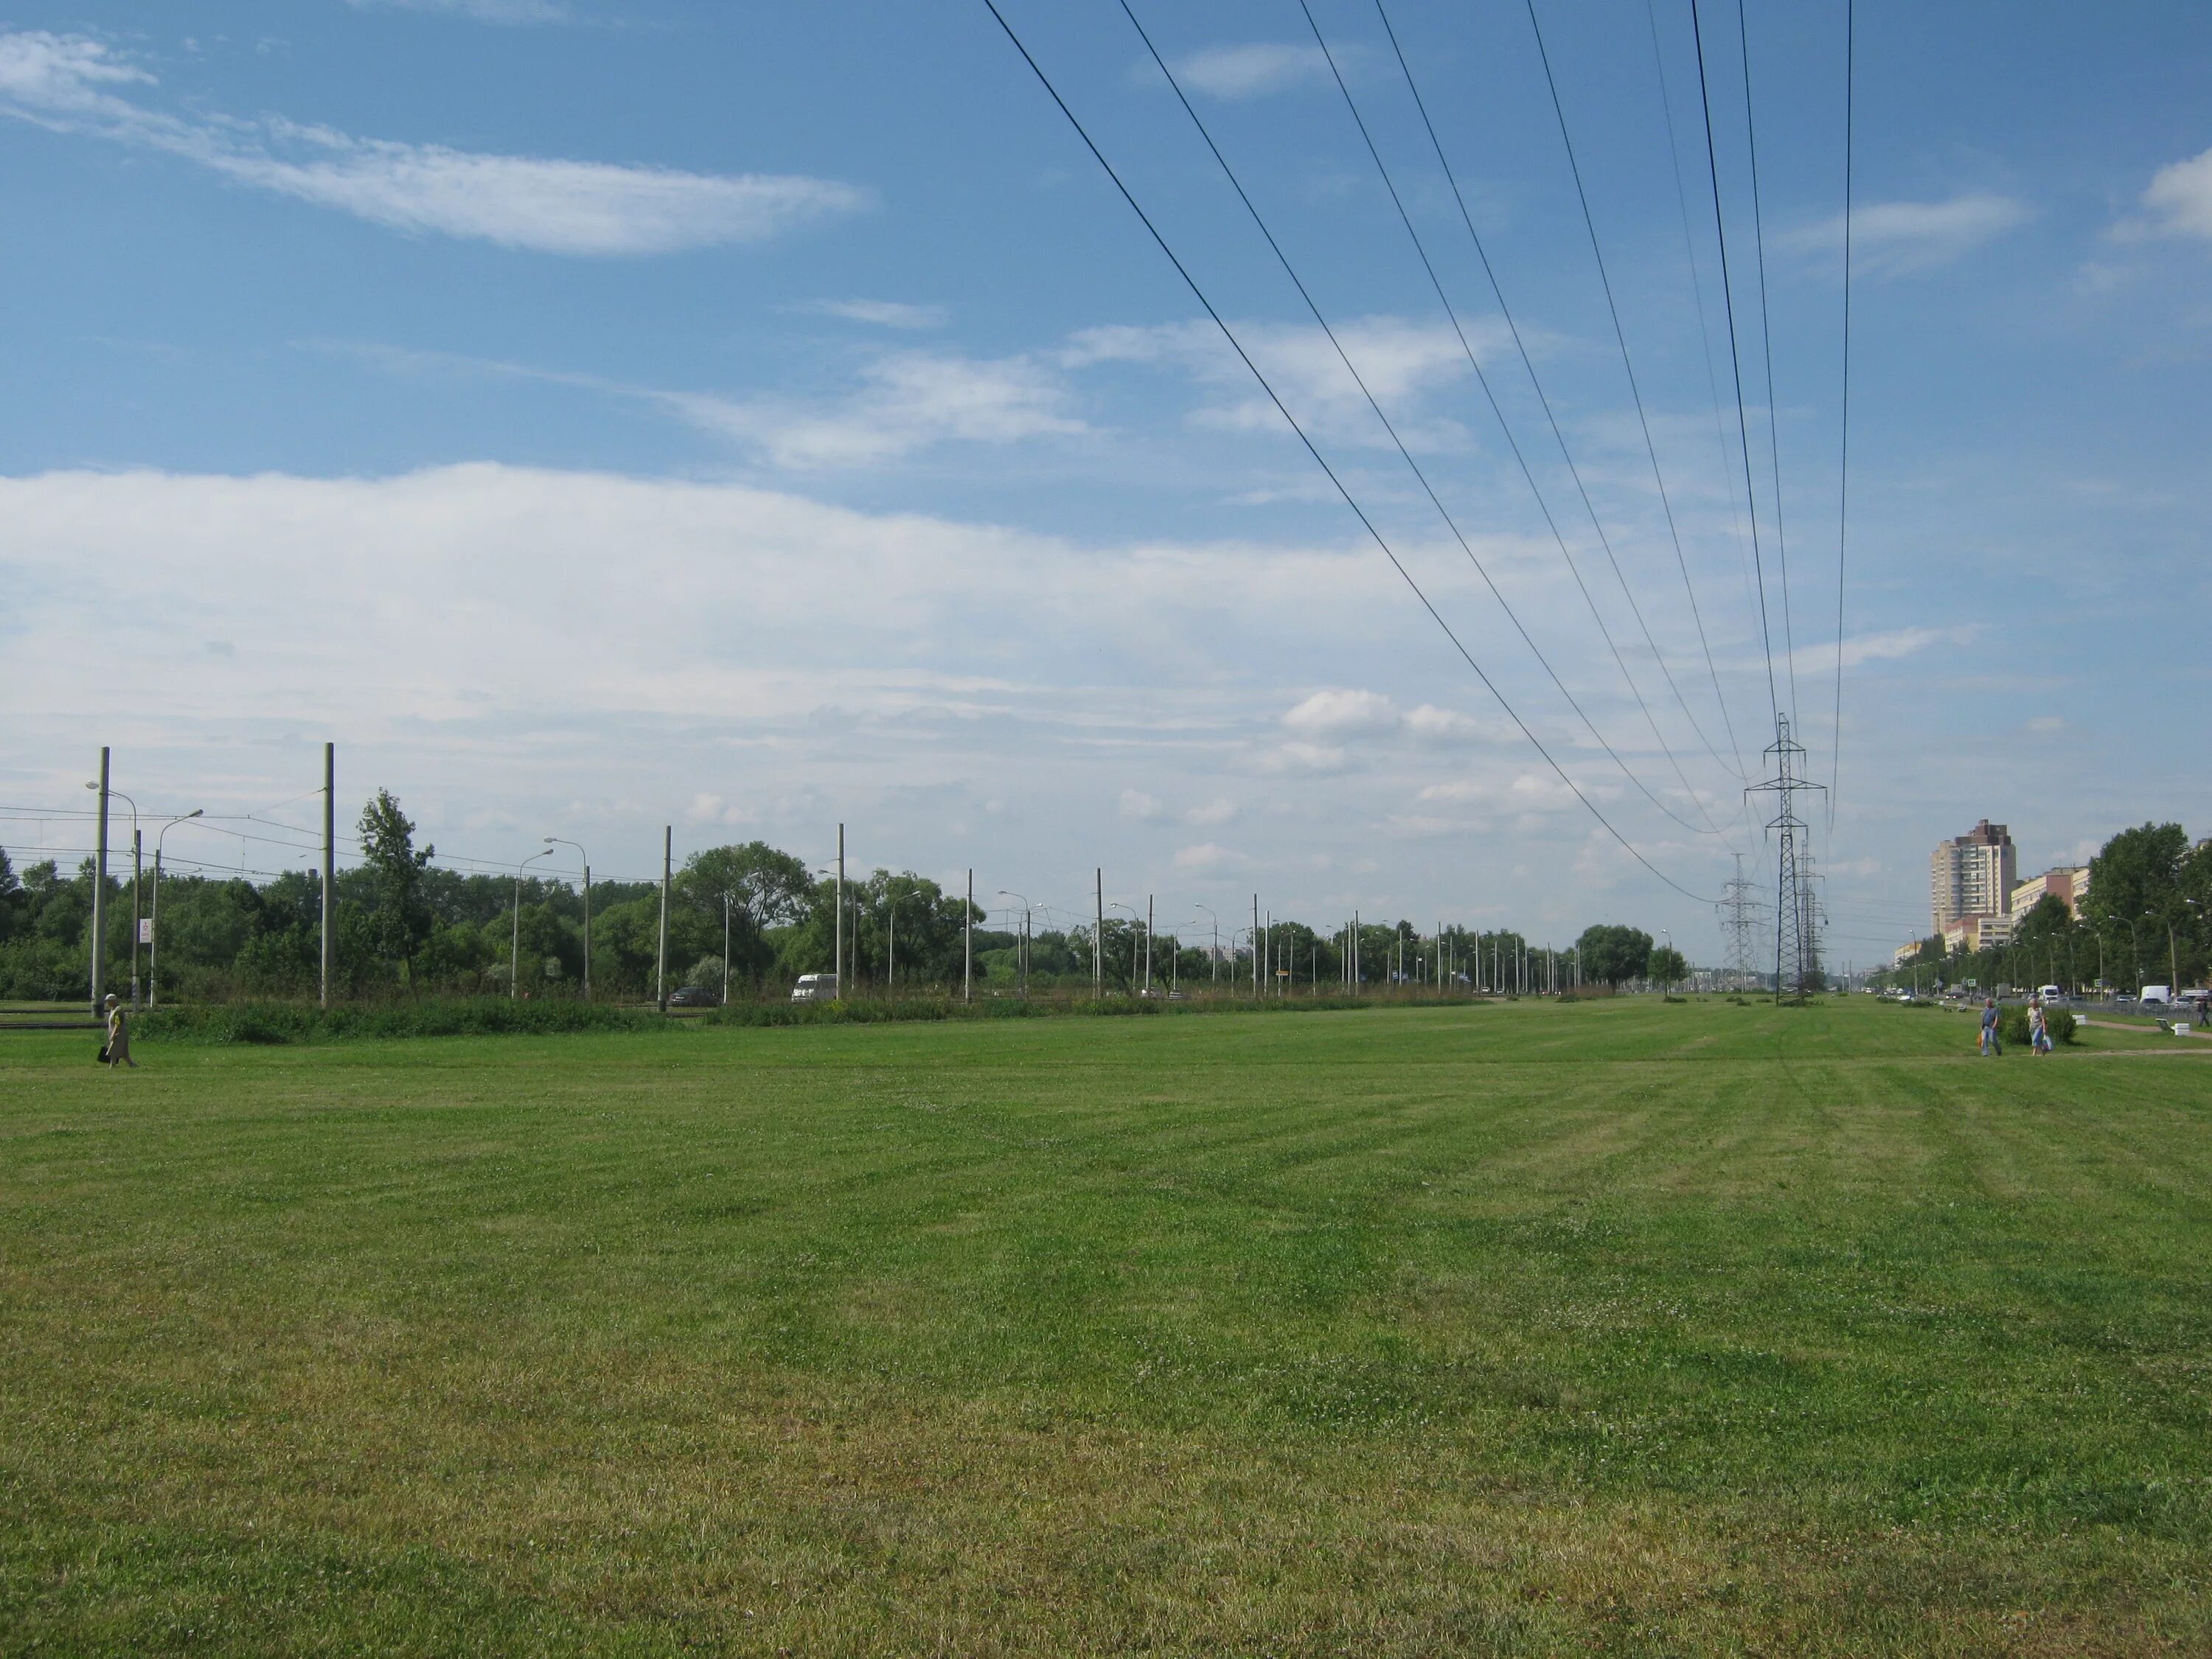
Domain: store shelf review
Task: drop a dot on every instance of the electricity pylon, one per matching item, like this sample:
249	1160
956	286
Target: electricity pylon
1740	913
1795	947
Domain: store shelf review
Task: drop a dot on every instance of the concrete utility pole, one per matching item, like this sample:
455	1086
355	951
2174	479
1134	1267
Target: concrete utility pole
837	965
968	944
330	863
1148	945
1256	945
668	872
1098	934
99	894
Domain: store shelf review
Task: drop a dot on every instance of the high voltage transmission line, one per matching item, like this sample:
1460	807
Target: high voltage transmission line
1420	475
1740	909
1635	391
1766	346
1367	523
1451	314
1536	384
1735	360
1843	428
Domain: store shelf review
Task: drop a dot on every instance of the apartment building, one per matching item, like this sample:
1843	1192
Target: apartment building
2068	884
1972	875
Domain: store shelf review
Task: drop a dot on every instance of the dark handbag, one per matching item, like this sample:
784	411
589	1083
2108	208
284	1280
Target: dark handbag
103	1053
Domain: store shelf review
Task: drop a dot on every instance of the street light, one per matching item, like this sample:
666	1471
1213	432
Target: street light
1021	944
135	872
154	946
1215	978
1135	923
561	841
514	949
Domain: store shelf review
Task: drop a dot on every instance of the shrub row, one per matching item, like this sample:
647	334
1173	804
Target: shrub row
269	1022
303	1021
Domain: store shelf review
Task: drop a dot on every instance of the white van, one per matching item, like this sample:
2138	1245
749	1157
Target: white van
815	987
2049	993
2160	994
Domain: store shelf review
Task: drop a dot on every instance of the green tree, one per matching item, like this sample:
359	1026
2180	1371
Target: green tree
1613	955
767	888
1668	966
403	917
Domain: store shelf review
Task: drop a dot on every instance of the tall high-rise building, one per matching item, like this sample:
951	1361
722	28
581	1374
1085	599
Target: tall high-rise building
1972	875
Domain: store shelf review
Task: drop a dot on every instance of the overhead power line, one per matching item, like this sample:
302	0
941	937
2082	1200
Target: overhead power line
1451	312
1635	392
1421	476
1843	430
1735	357
1696	290
1766	345
1366	523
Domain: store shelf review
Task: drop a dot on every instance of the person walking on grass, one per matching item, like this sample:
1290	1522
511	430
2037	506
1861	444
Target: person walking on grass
1991	1043
2038	1027
118	1051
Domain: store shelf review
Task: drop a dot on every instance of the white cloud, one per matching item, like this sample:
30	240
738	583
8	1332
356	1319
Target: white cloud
482	11
1214	812
1313	758
1525	792
906	400
1250	70
1206	855
66	82
1402	363
1891	238
1885	646
2180	199
1445	726
2046	723
1344	714
883	314
1138	806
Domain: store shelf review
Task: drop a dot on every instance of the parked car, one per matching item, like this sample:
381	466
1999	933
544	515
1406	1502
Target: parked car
694	996
815	987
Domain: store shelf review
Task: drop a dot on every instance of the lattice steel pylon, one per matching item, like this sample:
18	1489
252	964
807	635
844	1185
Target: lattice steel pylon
1795	947
1740	910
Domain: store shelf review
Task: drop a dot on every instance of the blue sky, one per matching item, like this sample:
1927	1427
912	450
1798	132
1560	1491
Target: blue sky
750	417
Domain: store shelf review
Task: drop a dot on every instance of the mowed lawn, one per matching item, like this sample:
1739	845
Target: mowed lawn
1629	1327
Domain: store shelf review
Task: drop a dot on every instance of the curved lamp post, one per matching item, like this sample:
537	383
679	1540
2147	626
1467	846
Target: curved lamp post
514	949
154	946
563	841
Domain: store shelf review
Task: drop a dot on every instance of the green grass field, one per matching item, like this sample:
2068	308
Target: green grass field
1626	1327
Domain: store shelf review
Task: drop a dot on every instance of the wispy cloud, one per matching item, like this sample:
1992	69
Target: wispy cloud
883	314
1339	712
480	11
71	83
1886	647
2179	202
1893	238
908	400
1250	71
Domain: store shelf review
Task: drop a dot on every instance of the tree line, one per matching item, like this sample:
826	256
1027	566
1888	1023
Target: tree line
403	924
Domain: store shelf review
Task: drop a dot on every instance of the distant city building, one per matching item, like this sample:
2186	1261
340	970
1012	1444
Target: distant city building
1905	953
1977	933
1972	875
2068	884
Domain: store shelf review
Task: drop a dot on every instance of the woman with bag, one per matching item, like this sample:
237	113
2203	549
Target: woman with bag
118	1051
